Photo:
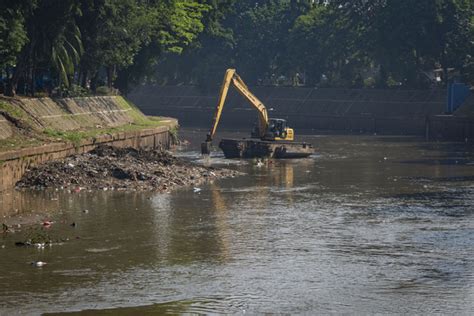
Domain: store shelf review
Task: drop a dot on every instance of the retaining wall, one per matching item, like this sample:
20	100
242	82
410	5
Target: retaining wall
364	110
70	113
392	112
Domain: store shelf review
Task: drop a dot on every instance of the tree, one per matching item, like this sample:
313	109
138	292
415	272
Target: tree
113	32
409	37
173	28
12	32
249	35
126	37
13	36
47	25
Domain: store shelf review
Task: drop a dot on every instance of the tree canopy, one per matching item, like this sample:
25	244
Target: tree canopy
372	43
79	45
81	42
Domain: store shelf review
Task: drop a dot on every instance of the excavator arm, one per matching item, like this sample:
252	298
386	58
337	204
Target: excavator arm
231	77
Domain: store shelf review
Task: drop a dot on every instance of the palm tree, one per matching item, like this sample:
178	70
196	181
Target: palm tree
66	52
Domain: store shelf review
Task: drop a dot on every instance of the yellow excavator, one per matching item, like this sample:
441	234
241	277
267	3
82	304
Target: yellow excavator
271	138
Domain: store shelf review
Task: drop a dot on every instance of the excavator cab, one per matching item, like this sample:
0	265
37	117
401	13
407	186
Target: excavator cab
277	130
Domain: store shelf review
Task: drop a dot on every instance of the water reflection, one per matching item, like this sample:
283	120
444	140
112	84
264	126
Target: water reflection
23	203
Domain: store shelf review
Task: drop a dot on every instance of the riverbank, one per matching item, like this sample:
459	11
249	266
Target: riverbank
25	122
37	130
103	169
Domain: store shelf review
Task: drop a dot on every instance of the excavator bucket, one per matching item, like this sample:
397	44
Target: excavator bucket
206	148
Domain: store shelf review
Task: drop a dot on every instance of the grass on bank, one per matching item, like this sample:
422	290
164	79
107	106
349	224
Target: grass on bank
139	122
14	111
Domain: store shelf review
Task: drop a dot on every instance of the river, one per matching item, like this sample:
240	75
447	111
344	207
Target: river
369	224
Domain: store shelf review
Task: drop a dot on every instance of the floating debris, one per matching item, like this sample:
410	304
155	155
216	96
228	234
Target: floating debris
39	238
39	264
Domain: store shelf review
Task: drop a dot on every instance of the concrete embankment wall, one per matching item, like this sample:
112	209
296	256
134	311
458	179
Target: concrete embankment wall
67	115
6	128
401	112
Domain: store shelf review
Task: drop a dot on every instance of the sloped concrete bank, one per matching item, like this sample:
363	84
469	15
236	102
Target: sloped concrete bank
389	111
34	131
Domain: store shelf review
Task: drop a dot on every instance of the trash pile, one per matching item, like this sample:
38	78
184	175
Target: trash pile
111	168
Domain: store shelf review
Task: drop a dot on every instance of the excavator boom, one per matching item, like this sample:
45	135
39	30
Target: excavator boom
231	77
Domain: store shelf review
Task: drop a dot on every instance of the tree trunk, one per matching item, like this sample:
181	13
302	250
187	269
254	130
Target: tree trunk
10	89
94	82
12	83
83	81
32	81
110	76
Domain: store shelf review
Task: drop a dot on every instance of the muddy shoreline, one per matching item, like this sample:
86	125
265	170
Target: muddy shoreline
105	168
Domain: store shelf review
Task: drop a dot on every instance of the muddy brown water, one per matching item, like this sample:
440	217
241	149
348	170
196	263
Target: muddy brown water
367	225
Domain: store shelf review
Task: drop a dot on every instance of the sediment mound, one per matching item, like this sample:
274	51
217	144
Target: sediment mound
110	168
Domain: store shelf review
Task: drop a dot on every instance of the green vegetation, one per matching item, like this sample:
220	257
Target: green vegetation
75	137
174	135
335	43
14	111
79	47
140	122
46	46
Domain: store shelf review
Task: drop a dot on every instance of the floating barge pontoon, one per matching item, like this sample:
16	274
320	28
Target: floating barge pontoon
256	148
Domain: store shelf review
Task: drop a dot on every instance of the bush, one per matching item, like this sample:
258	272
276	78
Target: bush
369	82
73	91
391	82
41	94
104	90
